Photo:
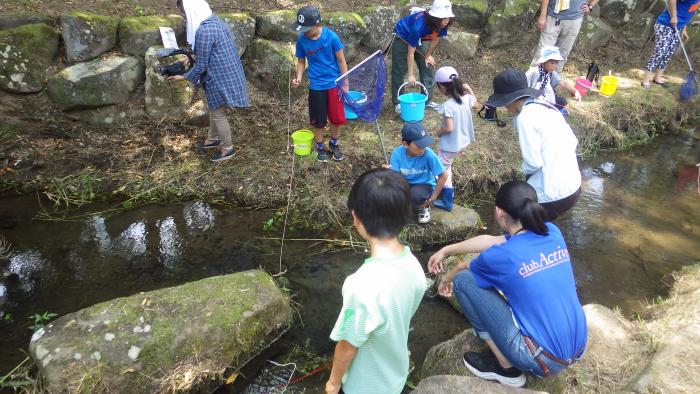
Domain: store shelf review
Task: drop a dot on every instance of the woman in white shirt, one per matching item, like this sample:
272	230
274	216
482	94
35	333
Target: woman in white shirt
547	143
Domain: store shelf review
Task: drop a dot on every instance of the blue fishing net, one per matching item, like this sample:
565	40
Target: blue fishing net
689	88
366	84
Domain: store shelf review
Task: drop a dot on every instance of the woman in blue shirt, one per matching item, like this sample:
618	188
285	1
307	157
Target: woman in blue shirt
671	21
412	32
519	294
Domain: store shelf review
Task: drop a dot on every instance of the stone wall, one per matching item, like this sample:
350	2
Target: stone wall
29	45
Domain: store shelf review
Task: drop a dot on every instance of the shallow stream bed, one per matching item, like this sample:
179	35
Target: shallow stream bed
637	221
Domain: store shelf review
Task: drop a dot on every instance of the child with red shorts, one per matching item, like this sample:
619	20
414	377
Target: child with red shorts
324	51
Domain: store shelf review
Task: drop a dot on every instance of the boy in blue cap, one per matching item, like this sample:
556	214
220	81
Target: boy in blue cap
324	51
420	166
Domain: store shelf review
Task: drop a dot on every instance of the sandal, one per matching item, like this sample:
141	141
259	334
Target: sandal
646	86
203	145
663	84
225	156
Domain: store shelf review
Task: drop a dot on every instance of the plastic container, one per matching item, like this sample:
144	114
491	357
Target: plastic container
608	85
354	96
302	140
412	104
583	86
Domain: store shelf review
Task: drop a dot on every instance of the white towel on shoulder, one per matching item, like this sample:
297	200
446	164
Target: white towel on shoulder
196	11
561	5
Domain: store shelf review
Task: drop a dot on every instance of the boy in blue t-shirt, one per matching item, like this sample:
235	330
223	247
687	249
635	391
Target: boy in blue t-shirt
419	165
324	51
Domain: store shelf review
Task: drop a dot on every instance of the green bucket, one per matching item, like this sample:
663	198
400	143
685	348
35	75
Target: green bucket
302	140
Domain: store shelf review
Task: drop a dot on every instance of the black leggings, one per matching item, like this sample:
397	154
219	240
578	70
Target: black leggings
554	209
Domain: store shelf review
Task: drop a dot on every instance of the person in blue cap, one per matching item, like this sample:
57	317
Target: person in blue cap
420	166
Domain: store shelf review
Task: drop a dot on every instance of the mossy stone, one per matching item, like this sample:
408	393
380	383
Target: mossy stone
88	35
350	28
508	22
269	66
379	21
276	25
164	98
184	336
25	54
470	14
138	33
242	27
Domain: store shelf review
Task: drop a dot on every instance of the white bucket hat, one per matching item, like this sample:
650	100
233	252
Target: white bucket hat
446	74
441	9
549	53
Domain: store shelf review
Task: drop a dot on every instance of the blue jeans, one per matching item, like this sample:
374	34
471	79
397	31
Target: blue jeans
491	318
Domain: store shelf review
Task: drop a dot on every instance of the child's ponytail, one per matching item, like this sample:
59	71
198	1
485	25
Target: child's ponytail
454	88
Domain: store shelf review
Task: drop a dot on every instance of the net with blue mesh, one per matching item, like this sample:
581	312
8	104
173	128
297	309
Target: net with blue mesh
362	88
689	88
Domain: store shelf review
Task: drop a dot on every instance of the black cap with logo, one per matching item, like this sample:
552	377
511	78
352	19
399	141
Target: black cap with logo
307	18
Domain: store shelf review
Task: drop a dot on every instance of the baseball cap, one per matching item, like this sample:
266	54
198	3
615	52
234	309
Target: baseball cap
415	132
508	86
441	9
446	74
549	53
307	18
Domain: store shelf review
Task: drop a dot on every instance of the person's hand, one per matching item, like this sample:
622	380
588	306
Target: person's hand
332	388
429	201
184	61
541	22
435	262
387	166
445	286
412	80
296	83
674	22
467	88
430	61
345	86
684	35
586	8
577	95
176	78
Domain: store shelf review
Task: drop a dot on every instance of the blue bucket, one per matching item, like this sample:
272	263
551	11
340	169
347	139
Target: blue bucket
412	104
354	96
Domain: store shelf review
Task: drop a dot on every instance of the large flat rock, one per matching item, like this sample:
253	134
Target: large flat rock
86	35
25	54
459	224
138	33
96	83
443	384
177	339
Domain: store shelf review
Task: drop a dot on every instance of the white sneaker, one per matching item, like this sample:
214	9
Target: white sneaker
424	215
397	109
432	105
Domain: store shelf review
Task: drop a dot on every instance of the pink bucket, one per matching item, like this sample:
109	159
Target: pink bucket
583	85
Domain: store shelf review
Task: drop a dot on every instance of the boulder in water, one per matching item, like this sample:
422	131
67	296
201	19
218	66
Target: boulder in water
441	384
177	339
25	54
96	83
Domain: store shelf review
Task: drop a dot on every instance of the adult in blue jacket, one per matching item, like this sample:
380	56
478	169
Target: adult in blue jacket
519	294
218	70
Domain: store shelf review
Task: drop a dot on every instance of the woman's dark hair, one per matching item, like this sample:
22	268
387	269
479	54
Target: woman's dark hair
455	89
180	6
434	23
381	199
519	200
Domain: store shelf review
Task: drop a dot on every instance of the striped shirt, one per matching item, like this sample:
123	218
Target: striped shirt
379	300
217	66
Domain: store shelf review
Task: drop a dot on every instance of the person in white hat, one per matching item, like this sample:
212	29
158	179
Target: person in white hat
545	78
417	36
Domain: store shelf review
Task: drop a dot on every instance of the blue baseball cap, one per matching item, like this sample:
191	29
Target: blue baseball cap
307	18
415	132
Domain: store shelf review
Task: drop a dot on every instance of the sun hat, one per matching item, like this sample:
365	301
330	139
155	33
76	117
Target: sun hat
446	74
508	86
549	53
441	9
307	18
415	132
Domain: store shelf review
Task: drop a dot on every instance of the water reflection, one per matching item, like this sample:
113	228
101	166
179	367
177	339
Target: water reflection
198	216
170	247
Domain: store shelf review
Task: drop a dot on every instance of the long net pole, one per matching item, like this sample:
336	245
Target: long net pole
381	140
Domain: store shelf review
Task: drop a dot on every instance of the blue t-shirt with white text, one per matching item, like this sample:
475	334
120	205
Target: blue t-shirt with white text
413	28
323	67
417	170
534	273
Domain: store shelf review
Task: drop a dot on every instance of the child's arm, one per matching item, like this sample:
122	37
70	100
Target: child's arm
570	87
472	245
342	357
343	65
448	127
409	62
470	92
301	66
429	60
442	178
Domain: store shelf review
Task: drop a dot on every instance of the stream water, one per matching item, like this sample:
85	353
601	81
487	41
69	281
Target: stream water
637	221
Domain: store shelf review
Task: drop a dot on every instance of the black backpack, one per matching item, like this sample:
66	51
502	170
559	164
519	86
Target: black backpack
490	115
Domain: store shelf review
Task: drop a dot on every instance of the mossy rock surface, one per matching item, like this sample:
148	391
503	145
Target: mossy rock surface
595	33
25	54
458	224
96	83
440	384
460	44
178	339
276	25
380	21
470	14
163	97
12	21
508	22
138	33
350	28
87	35
269	66
242	27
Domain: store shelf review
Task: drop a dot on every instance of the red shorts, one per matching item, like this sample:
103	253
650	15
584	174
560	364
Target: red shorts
325	105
